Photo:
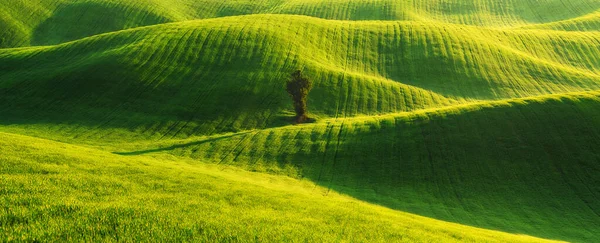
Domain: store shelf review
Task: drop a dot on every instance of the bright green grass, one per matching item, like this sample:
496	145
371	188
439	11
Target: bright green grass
227	74
524	166
60	192
527	166
482	113
43	22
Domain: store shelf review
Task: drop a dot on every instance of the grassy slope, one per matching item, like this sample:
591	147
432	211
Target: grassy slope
147	90
528	166
524	165
43	22
180	79
590	22
60	192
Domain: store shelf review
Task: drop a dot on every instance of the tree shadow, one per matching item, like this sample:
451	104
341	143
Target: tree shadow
178	146
275	122
288	119
469	168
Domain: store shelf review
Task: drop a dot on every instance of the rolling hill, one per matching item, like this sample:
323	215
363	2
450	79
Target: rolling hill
44	22
60	192
481	114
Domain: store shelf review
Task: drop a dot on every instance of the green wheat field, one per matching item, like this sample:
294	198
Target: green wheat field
168	121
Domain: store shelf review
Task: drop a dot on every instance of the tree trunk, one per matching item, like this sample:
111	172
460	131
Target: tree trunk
301	118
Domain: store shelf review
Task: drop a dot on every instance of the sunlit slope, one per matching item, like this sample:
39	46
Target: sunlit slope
227	74
45	22
589	22
416	111
60	192
526	166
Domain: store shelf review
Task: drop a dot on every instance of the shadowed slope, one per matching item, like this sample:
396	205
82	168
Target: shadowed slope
590	22
44	22
213	90
60	192
527	166
83	19
220	75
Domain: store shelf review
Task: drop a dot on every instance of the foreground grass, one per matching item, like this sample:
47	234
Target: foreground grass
525	165
59	192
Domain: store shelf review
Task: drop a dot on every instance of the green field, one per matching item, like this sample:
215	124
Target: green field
436	121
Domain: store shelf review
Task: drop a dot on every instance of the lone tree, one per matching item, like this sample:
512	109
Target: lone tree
298	87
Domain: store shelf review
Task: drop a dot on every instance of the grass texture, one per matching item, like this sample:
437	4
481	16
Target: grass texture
60	192
481	114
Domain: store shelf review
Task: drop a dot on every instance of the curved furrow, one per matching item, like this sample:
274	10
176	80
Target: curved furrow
181	76
506	165
44	22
